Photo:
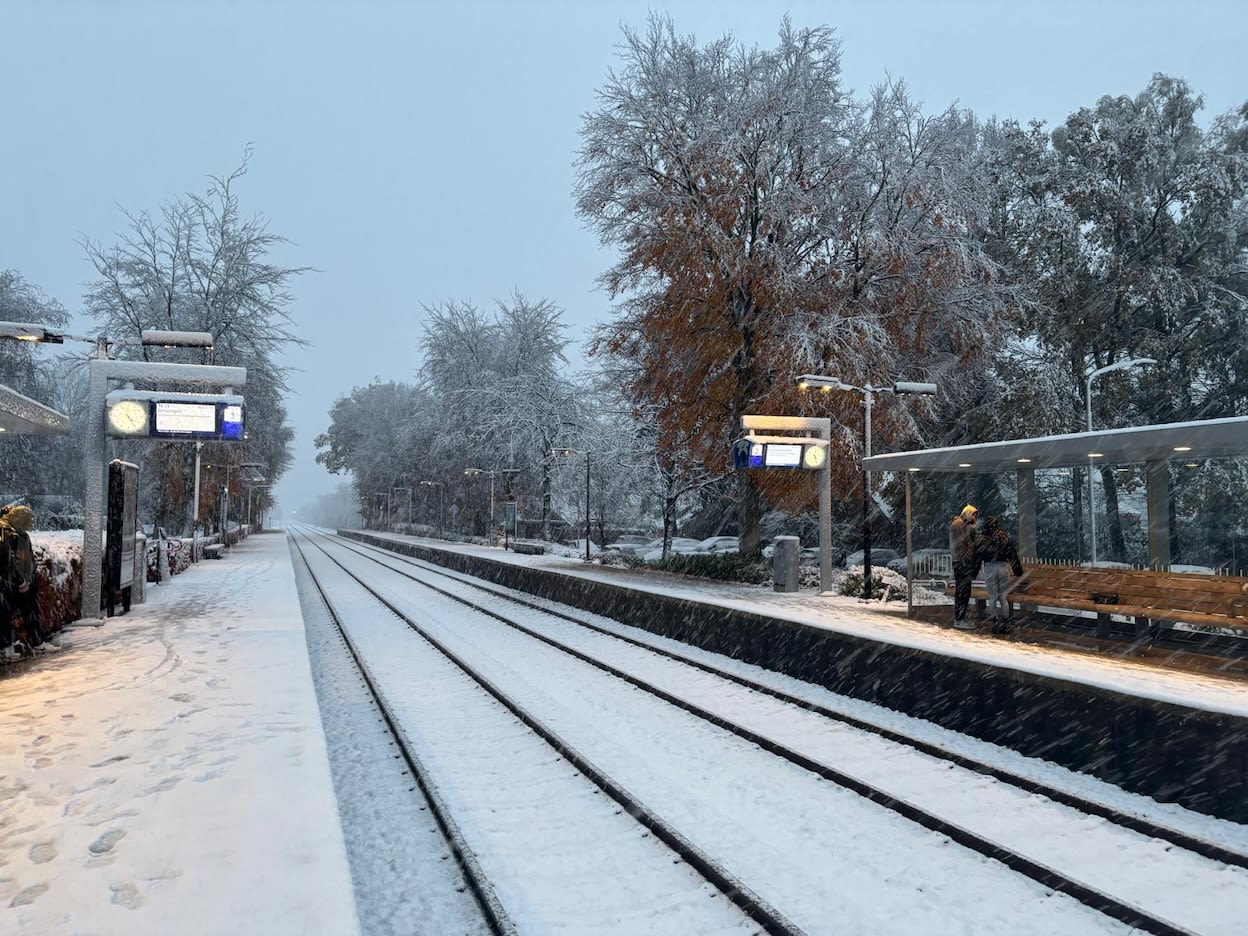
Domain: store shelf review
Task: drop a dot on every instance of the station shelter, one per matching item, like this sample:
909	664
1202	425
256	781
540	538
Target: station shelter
1151	446
21	415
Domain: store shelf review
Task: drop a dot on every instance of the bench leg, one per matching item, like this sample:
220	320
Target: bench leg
981	609
1102	625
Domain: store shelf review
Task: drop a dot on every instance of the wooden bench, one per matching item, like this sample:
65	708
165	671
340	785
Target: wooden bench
1143	594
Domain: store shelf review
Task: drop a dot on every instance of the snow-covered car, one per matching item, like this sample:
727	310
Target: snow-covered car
629	545
880	558
679	544
720	544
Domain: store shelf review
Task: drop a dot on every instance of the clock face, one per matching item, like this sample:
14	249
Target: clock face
128	417
815	456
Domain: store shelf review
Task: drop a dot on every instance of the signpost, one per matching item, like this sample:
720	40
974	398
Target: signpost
807	452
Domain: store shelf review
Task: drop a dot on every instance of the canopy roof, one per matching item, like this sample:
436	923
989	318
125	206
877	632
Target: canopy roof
1211	438
22	415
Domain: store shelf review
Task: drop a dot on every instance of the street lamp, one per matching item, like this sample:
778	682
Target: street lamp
251	486
827	384
1092	375
225	490
409	501
564	453
476	472
441	487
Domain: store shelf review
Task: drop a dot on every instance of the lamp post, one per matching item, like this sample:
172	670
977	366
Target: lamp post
251	487
476	472
1092	375
225	490
441	487
827	384
564	453
409	501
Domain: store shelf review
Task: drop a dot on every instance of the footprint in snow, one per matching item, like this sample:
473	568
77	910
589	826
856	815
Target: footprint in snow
104	844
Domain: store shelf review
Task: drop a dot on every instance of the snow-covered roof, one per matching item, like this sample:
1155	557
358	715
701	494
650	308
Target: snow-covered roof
1210	438
24	416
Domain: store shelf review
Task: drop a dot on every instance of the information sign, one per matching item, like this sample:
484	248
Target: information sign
189	418
783	456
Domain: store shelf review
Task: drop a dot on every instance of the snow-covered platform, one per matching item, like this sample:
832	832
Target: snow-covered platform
166	772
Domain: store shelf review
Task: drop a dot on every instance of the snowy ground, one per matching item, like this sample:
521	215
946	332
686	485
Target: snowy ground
167	771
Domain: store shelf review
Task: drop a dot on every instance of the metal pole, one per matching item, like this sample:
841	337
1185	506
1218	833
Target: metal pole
866	500
825	518
1091	495
491	508
909	553
587	505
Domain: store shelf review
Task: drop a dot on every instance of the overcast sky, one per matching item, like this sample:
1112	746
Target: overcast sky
422	152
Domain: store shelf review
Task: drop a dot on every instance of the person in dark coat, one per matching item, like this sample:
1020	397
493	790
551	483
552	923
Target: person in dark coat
962	547
21	586
1000	558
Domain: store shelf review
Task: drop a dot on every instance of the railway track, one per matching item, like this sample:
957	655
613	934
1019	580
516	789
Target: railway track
985	783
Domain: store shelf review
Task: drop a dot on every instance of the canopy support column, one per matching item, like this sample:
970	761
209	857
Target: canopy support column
1157	478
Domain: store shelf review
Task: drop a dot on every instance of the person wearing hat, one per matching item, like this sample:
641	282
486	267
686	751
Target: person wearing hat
962	548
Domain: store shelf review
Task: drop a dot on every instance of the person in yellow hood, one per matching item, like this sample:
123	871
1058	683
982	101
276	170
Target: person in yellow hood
962	546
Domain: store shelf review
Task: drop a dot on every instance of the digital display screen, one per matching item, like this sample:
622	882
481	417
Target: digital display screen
232	422
783	456
197	418
756	455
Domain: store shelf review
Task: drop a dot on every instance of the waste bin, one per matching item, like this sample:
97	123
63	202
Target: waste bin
784	563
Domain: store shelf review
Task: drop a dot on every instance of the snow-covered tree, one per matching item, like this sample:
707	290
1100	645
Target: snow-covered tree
768	225
201	265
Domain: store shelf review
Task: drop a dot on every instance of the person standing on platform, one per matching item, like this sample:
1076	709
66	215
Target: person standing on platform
962	548
1000	557
21	586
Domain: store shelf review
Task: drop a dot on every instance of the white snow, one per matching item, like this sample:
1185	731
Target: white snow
167	772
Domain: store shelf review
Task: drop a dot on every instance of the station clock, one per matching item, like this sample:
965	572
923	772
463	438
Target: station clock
128	418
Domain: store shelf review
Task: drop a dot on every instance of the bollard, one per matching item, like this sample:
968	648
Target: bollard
784	563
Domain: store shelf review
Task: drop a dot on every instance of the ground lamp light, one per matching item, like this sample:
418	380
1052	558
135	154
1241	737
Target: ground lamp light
826	384
1092	375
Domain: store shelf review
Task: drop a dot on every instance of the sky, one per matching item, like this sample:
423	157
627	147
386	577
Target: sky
172	770
418	153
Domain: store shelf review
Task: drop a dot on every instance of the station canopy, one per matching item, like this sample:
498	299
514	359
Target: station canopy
1211	438
24	416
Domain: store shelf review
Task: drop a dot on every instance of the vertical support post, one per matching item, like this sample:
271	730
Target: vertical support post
825	518
909	552
93	454
866	498
587	505
1157	481
1026	478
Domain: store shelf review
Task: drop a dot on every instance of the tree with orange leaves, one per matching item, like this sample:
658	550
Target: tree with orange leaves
769	226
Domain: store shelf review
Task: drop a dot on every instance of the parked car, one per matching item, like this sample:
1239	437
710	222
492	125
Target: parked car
628	544
880	558
678	544
720	544
928	563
